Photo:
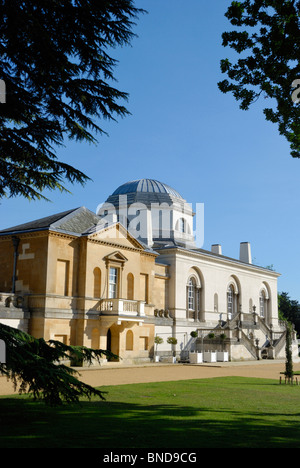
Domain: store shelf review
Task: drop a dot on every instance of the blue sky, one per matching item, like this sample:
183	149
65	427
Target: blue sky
183	131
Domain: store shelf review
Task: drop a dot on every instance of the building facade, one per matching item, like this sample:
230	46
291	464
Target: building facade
118	278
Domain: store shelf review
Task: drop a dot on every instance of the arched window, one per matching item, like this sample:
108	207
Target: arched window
262	304
182	227
97	282
191	294
193	299
129	340
230	300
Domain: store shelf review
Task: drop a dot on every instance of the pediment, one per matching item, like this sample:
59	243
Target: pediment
115	234
116	257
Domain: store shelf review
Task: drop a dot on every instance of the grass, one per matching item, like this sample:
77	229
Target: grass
206	413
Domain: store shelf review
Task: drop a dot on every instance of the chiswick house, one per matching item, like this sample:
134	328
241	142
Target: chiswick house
133	278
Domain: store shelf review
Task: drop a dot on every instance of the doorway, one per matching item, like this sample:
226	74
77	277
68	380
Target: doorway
112	342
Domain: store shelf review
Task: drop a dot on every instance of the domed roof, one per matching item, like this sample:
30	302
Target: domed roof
146	186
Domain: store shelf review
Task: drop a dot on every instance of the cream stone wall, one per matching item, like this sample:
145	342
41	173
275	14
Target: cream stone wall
125	253
129	341
240	353
69	309
160	293
64	280
31	263
215	274
63	269
164	331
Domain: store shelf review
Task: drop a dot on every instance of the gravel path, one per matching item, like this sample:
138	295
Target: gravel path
118	375
161	372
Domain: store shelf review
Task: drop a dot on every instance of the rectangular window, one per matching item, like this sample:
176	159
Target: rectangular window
113	283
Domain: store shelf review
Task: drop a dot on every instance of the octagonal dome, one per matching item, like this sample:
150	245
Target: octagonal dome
146	186
152	211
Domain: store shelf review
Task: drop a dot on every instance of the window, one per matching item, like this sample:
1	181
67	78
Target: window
182	225
113	283
193	299
230	308
191	294
262	304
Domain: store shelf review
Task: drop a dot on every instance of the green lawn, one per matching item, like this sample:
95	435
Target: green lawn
206	413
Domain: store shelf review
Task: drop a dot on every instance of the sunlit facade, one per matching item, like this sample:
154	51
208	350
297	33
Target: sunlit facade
117	278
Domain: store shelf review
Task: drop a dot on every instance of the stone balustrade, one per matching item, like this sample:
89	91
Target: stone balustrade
122	307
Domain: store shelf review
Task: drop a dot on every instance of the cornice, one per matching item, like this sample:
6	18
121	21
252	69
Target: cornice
62	235
205	255
24	235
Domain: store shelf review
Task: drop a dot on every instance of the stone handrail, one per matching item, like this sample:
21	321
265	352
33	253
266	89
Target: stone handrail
265	327
280	343
248	344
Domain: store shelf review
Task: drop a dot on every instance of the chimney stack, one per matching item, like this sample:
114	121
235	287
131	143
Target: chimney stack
217	249
245	252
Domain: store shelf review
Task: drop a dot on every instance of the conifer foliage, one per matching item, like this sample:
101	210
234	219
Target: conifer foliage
58	72
288	352
38	367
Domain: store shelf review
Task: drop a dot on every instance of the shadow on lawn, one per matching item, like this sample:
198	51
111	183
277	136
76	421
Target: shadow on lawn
28	424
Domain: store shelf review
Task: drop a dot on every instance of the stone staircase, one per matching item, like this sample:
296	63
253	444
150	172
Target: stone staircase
245	337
